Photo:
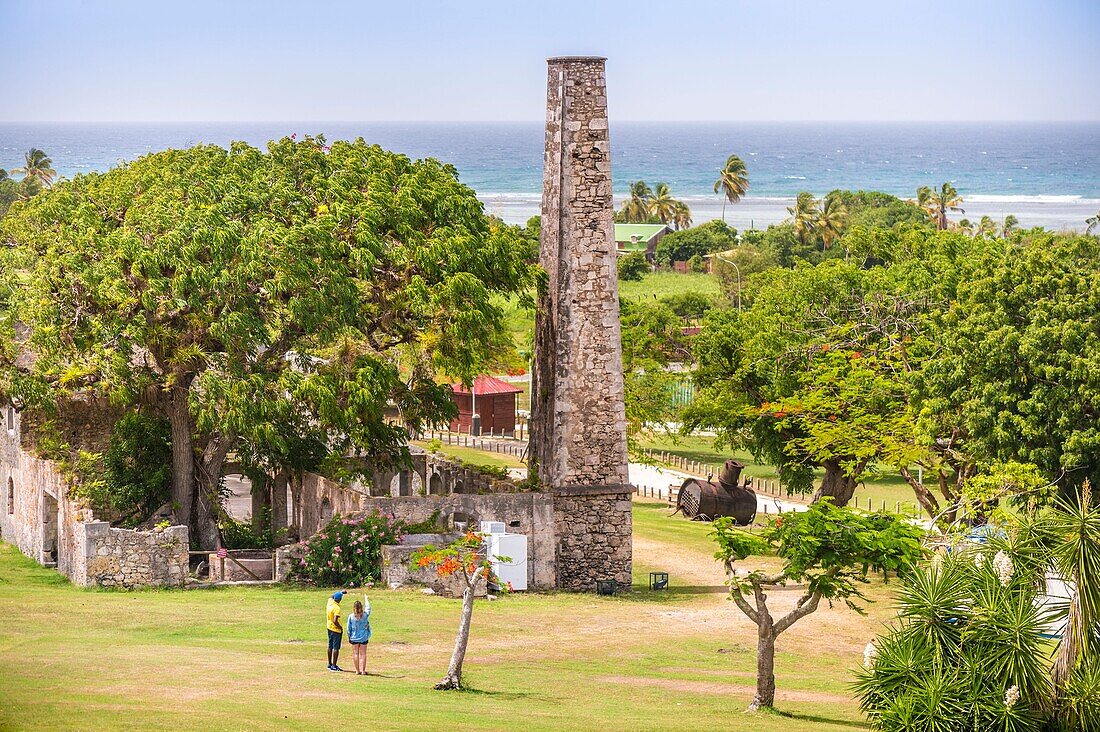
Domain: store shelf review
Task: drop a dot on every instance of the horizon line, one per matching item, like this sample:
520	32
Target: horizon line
541	121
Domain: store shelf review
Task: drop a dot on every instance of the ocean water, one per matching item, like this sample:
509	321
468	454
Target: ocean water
1045	173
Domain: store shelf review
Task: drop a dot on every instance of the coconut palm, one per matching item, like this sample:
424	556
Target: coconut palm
662	206
1009	225
37	167
636	208
938	203
805	215
733	181
831	220
682	218
1092	222
986	227
966	226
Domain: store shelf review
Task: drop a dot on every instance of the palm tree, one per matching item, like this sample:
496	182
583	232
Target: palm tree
636	209
986	227
831	220
1010	224
966	226
662	206
682	218
1093	222
733	181
805	216
37	167
938	203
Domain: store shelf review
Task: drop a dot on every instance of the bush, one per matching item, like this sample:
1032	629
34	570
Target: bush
633	266
697	263
967	653
242	535
133	478
681	246
348	552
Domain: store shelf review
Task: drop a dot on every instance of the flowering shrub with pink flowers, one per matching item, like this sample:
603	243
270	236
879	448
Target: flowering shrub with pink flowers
348	551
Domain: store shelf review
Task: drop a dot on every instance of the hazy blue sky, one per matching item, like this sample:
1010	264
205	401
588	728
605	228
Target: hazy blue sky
149	60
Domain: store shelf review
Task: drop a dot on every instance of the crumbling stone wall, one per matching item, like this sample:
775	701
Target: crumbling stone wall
48	525
128	558
593	528
522	513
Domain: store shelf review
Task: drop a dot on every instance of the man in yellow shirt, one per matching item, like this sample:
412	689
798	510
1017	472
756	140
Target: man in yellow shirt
335	630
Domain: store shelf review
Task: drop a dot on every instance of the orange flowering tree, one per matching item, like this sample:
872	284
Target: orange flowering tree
467	558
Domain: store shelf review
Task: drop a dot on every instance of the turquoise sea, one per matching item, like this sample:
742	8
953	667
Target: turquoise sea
1045	173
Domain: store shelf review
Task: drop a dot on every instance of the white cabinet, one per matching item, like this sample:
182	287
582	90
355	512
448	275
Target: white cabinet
514	547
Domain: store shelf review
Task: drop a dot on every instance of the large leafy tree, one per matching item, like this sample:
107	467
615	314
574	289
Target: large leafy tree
781	379
1014	374
733	182
244	294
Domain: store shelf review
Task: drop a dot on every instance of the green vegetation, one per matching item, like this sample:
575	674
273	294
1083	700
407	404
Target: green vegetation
273	304
347	552
633	267
680	246
653	206
968	652
826	548
924	360
133	478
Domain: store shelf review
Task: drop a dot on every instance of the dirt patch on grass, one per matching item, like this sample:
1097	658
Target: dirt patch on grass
714	687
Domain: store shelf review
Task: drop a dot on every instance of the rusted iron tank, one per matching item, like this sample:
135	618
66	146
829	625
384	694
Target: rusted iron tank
705	500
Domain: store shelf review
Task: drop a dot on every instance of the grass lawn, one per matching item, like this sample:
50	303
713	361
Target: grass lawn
251	657
474	456
664	282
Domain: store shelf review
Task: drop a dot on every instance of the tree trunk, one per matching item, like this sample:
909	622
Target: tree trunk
765	668
453	679
278	504
183	456
207	504
261	503
924	496
836	484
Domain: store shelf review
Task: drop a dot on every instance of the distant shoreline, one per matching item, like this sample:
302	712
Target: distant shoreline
1058	213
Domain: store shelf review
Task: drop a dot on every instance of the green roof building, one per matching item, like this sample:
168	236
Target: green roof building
639	237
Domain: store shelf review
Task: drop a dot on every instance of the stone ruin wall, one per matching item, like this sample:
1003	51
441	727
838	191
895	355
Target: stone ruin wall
128	558
89	552
594	539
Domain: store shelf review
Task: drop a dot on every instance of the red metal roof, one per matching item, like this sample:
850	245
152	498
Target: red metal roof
484	385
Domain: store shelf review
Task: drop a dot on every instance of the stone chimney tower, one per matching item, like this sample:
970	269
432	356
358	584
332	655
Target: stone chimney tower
578	427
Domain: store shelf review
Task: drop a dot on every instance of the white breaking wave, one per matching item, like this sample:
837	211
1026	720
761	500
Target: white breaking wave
982	198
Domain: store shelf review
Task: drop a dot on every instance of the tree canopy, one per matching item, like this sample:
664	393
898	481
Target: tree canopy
252	297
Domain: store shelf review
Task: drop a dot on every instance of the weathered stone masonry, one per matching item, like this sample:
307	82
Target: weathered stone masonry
39	517
578	429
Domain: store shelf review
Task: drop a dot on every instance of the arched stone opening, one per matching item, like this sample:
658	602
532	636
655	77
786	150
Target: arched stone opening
435	485
326	511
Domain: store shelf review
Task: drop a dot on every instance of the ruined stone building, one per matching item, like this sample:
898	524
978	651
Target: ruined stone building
39	515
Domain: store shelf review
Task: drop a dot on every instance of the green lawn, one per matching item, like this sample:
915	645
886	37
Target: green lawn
251	657
478	457
664	282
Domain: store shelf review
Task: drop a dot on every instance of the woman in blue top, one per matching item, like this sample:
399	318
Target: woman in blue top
359	634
